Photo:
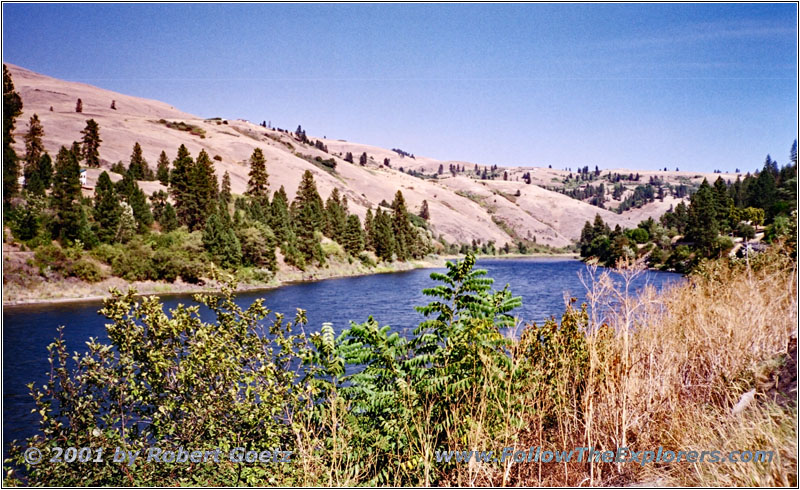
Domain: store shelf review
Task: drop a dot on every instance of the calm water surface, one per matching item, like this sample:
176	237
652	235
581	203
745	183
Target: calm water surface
389	298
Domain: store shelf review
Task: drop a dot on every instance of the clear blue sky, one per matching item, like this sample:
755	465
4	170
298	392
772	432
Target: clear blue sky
641	86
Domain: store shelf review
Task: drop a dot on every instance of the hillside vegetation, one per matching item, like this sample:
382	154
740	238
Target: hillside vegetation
373	407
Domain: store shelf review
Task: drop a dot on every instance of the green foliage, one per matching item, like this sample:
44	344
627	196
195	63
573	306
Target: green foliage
138	169
308	216
353	237
86	270
12	108
221	242
175	379
91	144
162	169
66	196
258	185
107	210
703	228
258	246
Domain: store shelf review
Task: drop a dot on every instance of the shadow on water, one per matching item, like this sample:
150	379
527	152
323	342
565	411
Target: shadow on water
389	298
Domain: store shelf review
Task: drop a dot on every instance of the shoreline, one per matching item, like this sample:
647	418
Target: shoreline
160	288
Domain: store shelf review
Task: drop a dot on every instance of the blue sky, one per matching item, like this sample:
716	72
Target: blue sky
695	86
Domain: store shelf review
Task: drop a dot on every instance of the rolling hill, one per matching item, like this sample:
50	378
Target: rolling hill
462	208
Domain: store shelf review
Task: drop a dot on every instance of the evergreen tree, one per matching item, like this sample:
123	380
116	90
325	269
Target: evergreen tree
348	157
107	209
138	167
258	185
279	219
162	170
179	183
336	216
66	196
34	149
168	219
353	239
91	144
225	192
383	236
702	228
363	159
45	171
12	108
79	106
723	204
204	191
369	227
424	212
404	233
308	216
221	242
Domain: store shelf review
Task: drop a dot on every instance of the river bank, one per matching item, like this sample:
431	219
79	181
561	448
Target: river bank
72	289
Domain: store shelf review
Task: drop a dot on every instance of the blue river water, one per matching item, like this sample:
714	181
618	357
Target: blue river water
389	298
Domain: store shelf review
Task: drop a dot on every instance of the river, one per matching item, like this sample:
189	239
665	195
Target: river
389	298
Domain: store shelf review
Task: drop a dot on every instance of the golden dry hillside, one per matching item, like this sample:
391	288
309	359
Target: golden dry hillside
462	208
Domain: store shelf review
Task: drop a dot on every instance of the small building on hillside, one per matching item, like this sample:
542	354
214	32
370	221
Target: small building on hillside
83	178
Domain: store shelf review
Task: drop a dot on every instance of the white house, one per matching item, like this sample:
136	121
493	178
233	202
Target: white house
83	177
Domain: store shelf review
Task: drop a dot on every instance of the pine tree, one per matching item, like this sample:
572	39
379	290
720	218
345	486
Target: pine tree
384	236
308	216
336	216
424	212
258	185
221	242
12	108
702	228
723	204
138	167
363	159
91	144
34	149
168	220
348	157
353	237
66	196
114	104
404	234
179	183
44	171
369	228
79	106
225	192
107	209
279	219
203	192
162	170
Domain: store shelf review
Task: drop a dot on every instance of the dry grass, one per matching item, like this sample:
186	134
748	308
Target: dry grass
664	371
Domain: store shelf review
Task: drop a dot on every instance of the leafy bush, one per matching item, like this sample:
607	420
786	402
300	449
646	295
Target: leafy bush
136	264
86	270
106	252
51	257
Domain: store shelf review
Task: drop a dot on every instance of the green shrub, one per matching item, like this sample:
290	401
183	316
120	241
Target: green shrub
106	252
85	270
135	263
51	257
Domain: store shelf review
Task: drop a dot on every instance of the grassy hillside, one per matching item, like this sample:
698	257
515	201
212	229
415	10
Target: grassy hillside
548	217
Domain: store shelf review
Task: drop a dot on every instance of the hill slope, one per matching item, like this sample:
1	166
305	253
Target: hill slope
462	209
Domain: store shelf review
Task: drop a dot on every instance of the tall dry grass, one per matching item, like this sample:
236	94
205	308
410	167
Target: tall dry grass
665	369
